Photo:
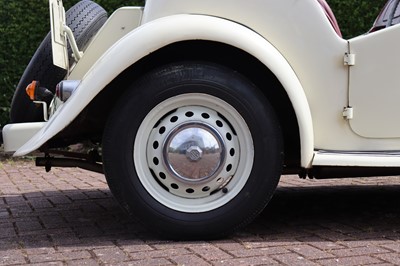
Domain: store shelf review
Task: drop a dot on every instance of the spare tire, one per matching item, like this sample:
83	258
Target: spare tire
85	18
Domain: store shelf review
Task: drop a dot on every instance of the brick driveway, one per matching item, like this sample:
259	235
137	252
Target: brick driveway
68	217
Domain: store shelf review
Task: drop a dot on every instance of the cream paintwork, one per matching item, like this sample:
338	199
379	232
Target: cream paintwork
361	159
120	23
15	135
375	84
58	38
308	43
291	37
148	38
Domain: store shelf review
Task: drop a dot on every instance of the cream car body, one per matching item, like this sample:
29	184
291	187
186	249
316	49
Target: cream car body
343	92
304	52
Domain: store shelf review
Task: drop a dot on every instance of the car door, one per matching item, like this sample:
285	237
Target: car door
374	84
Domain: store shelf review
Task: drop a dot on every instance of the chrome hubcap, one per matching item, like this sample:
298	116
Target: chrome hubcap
193	152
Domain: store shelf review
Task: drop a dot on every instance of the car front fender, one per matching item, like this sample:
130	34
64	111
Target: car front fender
154	35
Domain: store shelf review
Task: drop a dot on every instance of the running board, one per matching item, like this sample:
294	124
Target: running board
361	159
328	164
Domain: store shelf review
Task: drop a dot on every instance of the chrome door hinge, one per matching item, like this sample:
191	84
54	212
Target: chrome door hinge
348	113
349	59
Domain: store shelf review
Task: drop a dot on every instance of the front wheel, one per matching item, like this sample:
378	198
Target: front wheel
193	150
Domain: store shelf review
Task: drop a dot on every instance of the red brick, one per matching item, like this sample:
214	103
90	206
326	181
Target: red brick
322	244
292	259
349	261
166	253
74	255
48	257
261	260
310	252
359	251
134	245
148	262
83	262
228	245
393	258
52	263
243	253
39	250
111	255
7	232
392	246
86	226
31	225
209	251
12	257
189	260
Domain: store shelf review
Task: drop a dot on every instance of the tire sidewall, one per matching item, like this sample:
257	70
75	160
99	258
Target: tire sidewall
202	78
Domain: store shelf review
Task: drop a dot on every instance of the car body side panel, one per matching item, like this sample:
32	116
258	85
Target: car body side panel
301	32
293	38
155	35
374	84
121	22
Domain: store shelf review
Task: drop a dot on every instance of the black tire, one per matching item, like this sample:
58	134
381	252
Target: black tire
217	106
85	18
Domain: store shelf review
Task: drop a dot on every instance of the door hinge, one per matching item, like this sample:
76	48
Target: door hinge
348	113
349	59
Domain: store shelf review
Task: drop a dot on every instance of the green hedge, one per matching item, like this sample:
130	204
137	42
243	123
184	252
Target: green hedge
355	17
24	23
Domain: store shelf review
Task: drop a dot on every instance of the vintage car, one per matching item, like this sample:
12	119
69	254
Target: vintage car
194	109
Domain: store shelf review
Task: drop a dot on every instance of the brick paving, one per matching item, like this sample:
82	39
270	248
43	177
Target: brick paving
68	217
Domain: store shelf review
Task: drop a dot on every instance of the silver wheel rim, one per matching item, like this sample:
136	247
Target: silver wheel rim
193	153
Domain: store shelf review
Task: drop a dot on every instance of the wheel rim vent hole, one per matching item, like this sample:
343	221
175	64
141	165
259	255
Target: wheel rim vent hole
232	152
158	181
162	175
189	190
156	161
205	189
219	123
174	119
156	145
228	136
189	114
162	130
162	118
228	167
205	115
229	124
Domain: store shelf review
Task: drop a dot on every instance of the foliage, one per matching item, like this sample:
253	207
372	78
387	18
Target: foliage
355	17
24	23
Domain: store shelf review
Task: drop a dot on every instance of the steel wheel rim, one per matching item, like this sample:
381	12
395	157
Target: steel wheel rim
217	120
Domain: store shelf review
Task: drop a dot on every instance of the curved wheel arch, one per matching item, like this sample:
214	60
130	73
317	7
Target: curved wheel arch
205	51
190	27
